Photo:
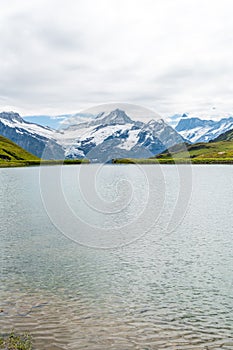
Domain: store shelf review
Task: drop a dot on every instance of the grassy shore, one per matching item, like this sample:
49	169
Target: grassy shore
173	161
26	163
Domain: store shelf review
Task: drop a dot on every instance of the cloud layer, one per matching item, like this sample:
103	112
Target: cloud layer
63	56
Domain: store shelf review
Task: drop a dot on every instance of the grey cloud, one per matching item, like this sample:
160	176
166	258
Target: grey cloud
65	55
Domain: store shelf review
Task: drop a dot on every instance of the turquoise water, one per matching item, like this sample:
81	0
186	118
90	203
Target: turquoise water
158	289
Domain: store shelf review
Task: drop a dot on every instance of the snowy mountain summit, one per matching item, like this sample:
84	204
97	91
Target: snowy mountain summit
116	135
113	118
11	117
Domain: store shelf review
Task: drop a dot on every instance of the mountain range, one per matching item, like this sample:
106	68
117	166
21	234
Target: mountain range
108	135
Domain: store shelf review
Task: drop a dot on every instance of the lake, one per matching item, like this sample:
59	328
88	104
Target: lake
118	257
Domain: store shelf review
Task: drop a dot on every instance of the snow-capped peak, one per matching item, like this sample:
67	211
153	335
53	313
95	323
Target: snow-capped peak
11	116
115	117
154	122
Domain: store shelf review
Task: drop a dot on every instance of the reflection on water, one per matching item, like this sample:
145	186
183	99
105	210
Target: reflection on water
160	292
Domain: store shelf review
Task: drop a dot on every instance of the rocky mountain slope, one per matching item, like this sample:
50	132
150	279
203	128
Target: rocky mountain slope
226	136
34	138
200	130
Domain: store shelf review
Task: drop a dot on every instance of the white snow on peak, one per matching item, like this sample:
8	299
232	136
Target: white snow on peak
30	127
194	134
130	141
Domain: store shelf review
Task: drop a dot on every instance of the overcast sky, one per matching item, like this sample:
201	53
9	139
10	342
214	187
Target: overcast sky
62	56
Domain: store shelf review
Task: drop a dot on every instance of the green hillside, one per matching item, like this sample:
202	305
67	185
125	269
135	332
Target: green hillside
210	152
199	153
12	154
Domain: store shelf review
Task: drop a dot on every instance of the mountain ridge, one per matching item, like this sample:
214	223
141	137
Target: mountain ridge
107	135
200	130
34	138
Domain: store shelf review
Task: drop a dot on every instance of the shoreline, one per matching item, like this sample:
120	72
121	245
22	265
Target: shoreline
127	161
174	161
30	163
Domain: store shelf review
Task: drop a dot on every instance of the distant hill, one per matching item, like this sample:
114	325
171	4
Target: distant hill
10	153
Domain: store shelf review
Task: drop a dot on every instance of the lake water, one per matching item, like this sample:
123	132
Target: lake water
118	257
